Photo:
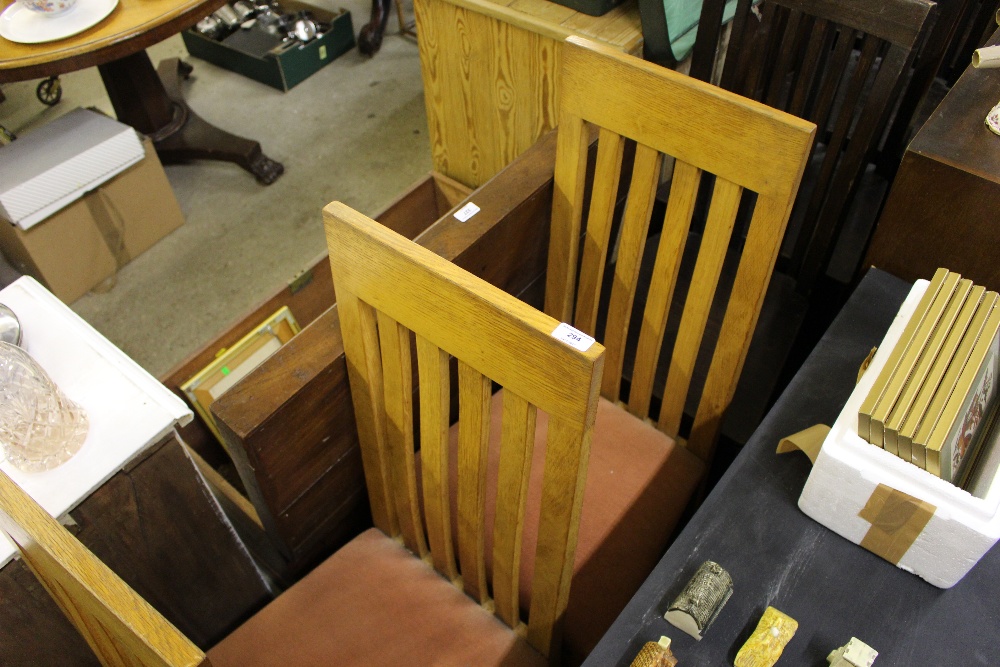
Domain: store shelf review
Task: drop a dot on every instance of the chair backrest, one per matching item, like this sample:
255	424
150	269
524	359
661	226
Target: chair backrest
394	295
841	64
706	130
120	627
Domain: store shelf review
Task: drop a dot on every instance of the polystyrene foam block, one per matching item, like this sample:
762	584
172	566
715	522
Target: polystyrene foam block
848	470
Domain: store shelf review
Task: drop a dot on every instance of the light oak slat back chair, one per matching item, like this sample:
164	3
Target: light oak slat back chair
841	64
389	288
643	474
746	145
375	602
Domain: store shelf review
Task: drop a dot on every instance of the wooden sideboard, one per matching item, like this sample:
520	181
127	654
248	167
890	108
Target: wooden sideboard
942	210
490	74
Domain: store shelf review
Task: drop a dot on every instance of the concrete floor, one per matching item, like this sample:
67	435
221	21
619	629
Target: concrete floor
355	131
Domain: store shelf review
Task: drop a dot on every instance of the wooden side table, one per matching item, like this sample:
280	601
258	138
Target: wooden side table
942	210
490	71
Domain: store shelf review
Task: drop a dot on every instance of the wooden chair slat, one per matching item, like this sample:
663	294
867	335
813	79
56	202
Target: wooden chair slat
764	42
359	322
832	80
567	216
634	229
474	391
859	151
819	44
714	244
567	453
742	311
607	174
397	377
516	446
833	161
120	627
435	397
676	225
787	52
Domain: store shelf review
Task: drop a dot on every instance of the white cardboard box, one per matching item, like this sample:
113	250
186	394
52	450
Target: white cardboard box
848	470
56	164
129	410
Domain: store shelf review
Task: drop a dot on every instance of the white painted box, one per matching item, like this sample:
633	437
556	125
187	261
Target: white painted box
850	475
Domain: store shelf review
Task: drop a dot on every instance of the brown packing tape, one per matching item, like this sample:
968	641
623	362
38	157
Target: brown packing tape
808	441
865	364
896	520
111	225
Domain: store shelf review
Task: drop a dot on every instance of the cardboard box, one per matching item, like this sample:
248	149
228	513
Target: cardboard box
287	68
56	164
911	518
89	240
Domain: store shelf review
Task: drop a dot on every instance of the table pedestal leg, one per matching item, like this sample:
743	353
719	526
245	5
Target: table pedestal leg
153	104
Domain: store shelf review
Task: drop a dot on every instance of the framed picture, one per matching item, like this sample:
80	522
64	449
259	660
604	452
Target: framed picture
234	363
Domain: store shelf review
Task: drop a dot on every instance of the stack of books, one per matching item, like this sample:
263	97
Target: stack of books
934	402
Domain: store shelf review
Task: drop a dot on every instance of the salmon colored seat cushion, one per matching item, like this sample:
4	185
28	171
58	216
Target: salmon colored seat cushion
638	484
373	603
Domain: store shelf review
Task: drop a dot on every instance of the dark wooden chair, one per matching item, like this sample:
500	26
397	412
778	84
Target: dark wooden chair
841	64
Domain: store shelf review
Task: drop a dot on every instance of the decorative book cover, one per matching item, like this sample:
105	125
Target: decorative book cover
882	381
925	361
955	436
904	370
920	409
947	385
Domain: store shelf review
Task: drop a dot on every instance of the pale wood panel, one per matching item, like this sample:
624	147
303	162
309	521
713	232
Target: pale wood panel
634	230
516	445
490	73
567	215
473	439
361	349
120	626
607	173
759	254
435	396
708	267
676	225
539	369
397	378
771	142
567	454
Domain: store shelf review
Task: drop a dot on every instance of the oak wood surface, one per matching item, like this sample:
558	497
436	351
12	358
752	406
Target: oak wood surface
765	151
132	26
490	73
496	338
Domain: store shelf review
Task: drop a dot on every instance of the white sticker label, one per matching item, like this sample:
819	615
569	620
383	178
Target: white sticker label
573	337
322	52
463	214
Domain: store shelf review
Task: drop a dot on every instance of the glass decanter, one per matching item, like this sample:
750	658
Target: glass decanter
39	426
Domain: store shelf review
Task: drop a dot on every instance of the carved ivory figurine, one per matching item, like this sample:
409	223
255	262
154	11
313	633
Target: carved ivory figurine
765	645
655	654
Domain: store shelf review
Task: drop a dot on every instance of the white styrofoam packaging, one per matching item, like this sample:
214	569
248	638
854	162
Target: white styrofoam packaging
52	166
848	470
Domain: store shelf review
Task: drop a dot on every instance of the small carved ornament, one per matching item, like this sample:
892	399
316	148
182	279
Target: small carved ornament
699	604
854	653
765	645
655	654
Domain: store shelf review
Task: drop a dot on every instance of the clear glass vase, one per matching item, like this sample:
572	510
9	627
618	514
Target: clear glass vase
39	426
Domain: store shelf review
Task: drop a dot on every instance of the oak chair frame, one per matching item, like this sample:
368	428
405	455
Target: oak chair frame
387	288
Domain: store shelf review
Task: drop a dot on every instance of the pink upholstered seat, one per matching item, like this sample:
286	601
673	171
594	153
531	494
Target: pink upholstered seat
638	483
372	603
